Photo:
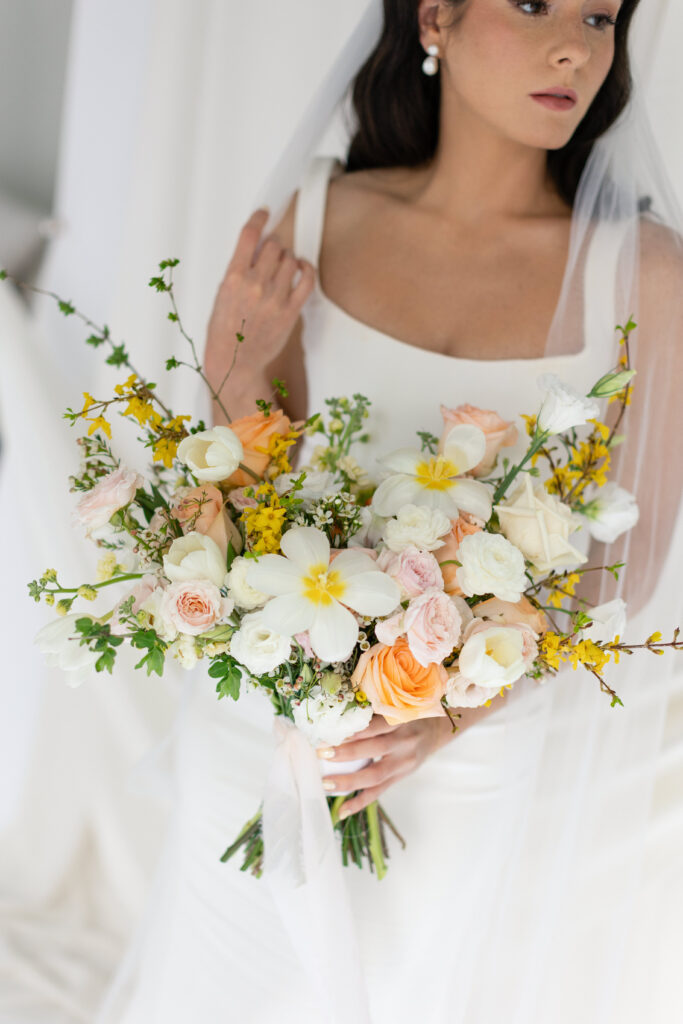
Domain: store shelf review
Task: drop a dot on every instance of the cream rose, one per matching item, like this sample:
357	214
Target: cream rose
243	594
494	656
417	526
490	564
540	525
431	624
257	647
497	431
563	407
195	557
111	493
414	571
212	454
195	606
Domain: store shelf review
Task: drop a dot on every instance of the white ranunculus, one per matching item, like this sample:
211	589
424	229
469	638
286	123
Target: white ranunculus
327	721
540	525
563	407
490	564
212	454
461	693
184	650
243	594
611	512
417	526
195	557
609	620
59	642
257	647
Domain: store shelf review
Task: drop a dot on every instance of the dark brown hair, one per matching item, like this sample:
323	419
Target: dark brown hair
397	106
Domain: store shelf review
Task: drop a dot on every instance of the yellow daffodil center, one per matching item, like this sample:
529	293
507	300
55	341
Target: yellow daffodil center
323	585
436	474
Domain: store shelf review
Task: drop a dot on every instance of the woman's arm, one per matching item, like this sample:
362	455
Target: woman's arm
260	298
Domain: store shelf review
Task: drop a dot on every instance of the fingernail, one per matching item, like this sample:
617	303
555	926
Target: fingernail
329	785
343	813
326	752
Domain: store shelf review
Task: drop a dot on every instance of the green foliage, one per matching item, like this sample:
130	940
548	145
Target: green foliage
95	340
98	637
66	307
428	441
3	275
168	263
172	363
232	555
118	357
228	675
280	387
147	640
264	406
149	503
159	284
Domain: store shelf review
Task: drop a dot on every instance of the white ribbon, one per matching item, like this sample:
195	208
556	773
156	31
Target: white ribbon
303	869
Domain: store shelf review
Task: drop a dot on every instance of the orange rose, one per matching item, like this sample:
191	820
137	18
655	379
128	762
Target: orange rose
521	613
255	432
212	521
498	432
397	686
463	526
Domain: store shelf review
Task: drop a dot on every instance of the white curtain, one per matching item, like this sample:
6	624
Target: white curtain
173	114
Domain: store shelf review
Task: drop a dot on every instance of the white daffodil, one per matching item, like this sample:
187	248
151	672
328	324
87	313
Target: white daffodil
436	481
309	593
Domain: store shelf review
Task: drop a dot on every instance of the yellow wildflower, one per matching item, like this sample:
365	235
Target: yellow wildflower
120	389
99	423
139	409
88	400
165	450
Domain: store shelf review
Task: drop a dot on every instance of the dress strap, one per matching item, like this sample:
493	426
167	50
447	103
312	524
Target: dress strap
600	278
309	215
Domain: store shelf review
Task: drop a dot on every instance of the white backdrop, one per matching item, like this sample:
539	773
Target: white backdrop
173	113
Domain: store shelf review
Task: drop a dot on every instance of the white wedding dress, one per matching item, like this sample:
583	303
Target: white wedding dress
213	947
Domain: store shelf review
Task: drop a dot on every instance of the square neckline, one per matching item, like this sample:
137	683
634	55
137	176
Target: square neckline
326	164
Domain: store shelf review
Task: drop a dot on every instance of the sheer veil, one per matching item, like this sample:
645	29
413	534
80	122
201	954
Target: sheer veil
593	779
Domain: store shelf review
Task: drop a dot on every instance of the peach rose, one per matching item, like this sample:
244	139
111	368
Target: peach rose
194	606
497	431
202	509
255	432
521	613
463	526
397	686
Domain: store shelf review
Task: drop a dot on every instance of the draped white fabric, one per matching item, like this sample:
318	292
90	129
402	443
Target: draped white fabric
173	115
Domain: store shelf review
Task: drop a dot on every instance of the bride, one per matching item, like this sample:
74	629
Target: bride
470	241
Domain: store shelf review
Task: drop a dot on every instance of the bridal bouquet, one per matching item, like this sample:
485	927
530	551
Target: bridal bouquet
337	599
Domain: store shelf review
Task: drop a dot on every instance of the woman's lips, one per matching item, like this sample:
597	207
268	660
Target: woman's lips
554	102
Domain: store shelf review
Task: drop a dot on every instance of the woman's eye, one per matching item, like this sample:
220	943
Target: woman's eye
603	21
535	7
539	6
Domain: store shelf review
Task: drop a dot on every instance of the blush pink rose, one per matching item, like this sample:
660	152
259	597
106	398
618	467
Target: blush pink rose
497	431
194	606
202	509
415	571
521	613
431	624
111	493
463	526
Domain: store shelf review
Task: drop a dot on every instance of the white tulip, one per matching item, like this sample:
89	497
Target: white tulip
212	454
59	641
611	512
563	407
195	557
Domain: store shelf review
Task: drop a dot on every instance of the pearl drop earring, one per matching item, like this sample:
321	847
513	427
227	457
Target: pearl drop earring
430	65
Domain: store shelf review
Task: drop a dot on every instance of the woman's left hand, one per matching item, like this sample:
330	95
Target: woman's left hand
400	749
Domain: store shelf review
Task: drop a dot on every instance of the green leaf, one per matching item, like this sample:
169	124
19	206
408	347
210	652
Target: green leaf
617	701
105	662
229	686
264	406
232	555
118	357
173	317
3	275
85	626
172	363
168	263
280	387
159	284
95	340
65	307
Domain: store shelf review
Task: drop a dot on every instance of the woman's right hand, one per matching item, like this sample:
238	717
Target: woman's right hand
256	298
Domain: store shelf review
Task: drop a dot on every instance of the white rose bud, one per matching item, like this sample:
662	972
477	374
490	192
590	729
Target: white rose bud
611	384
195	557
419	527
609	621
490	564
258	647
212	454
610	513
243	594
563	407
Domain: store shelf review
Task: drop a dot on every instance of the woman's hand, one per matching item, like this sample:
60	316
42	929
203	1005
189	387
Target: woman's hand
401	749
257	298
